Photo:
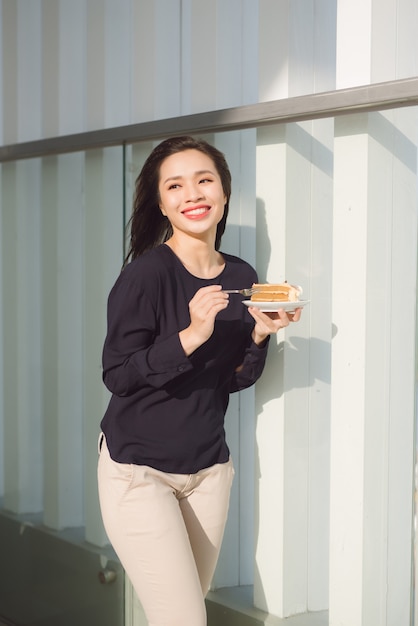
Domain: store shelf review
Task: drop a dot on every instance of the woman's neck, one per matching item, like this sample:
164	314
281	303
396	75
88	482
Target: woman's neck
198	257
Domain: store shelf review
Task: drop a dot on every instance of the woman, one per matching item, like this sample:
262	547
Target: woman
177	345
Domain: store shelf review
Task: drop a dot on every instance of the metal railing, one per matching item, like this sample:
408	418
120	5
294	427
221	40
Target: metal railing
363	99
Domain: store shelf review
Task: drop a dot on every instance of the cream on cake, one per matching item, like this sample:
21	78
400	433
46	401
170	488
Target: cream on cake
281	292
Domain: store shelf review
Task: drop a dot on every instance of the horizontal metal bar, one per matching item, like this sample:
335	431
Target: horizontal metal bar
364	99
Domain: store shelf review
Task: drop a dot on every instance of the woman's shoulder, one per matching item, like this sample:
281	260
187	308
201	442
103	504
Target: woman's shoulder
152	261
143	270
238	265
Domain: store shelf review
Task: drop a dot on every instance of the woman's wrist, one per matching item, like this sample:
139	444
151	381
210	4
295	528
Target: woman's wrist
190	340
259	339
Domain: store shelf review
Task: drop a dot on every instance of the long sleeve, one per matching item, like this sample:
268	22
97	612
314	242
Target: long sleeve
134	353
251	368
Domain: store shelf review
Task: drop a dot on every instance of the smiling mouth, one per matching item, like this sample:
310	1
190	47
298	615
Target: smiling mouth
197	212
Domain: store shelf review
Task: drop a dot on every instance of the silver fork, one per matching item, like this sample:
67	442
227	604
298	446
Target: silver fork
242	292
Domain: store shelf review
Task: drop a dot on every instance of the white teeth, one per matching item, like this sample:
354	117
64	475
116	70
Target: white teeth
196	211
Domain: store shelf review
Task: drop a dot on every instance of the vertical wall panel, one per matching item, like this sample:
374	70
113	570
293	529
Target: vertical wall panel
2	50
273	37
103	260
9	318
70	280
347	443
117	62
9	72
21	317
229	74
249	52
29	70
144	75
2	443
2	355
21	259
378	376
227	572
49	331
186	57
318	288
235	565
372	443
353	62
383	37
294	187
29	348
96	65
202	61
301	45
63	433
397	56
72	69
374	584
167	45
407	54
403	123
49	83
247	415
308	263
270	532
295	243
325	45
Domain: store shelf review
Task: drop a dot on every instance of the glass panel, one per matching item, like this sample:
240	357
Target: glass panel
321	511
61	249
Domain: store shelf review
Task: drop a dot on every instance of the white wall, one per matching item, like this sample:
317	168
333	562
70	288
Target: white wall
294	237
374	310
321	510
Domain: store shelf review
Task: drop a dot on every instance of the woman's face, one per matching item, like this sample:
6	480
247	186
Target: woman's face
191	193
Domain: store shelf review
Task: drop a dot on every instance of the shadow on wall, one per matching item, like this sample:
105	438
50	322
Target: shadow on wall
275	384
262	241
308	358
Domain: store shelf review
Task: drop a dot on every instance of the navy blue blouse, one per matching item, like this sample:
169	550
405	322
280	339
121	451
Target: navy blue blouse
167	409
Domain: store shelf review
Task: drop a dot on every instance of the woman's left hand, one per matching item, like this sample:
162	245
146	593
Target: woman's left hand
269	323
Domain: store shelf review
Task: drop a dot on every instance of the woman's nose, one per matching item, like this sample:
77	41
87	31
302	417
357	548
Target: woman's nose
193	192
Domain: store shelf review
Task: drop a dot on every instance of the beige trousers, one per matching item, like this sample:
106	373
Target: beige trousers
167	531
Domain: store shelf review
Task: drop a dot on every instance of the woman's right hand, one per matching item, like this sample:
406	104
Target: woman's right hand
203	307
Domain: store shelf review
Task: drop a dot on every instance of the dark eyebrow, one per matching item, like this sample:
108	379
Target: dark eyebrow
197	173
200	172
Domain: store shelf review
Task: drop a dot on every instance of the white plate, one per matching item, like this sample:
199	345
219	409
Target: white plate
275	306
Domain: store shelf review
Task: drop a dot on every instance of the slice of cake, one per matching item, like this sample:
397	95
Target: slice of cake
282	292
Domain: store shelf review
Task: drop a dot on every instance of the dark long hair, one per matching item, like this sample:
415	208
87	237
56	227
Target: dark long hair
148	227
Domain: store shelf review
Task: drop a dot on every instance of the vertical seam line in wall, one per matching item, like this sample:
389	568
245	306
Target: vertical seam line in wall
397	39
181	56
124	200
414	523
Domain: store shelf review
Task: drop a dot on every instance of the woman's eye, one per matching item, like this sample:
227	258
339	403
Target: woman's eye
206	180
174	186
